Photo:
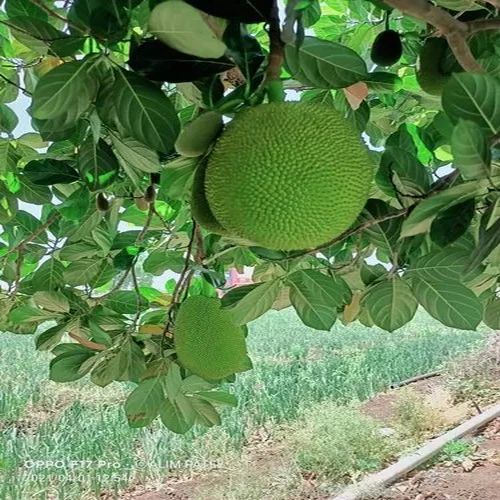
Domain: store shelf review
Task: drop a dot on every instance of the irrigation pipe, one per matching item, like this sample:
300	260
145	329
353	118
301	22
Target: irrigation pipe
414	379
380	480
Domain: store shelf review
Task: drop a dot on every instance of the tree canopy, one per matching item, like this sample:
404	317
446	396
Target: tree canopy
98	245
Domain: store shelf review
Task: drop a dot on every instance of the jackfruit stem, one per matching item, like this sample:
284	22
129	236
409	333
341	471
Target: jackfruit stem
276	51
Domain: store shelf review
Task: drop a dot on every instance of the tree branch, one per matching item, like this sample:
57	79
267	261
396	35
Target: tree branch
483	25
34	234
454	30
276	51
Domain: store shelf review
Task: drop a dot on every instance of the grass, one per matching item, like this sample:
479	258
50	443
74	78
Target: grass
295	367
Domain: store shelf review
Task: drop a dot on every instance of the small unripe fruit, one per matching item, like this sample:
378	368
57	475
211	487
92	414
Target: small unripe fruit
102	203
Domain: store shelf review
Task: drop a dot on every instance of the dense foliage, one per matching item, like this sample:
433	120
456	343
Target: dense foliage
98	199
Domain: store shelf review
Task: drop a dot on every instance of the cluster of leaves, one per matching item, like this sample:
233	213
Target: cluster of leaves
96	200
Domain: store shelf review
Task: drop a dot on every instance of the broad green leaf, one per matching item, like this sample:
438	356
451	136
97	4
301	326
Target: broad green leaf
160	261
67	366
316	297
82	272
49	276
474	97
8	156
8	119
125	302
97	164
178	416
86	224
390	304
145	112
49	172
177	177
489	241
52	300
144	402
492	314
449	302
471	151
446	264
255	303
76	205
420	219
206	414
136	154
16	8
324	64
29	314
218	397
48	339
69	88
31	193
77	251
131	361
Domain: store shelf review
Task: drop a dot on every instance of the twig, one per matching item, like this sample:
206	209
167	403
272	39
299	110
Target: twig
454	30
11	82
140	236
34	234
137	293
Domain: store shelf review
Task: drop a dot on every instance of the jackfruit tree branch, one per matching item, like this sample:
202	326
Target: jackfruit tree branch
276	51
452	29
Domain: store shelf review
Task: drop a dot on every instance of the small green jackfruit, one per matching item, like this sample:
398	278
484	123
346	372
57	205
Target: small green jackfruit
430	75
288	175
387	48
207	341
197	136
199	205
187	29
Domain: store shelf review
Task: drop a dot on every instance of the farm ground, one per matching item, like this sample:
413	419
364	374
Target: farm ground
252	455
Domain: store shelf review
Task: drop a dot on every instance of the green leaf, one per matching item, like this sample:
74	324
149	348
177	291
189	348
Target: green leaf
449	302
390	304
49	172
29	314
447	264
420	219
218	397
177	177
160	261
489	241
97	164
144	402
256	302
31	193
145	112
86	225
52	300
49	276
125	302
8	156
136	154
76	205
69	88
8	119
324	64
48	339
474	97
178	416
131	361
206	414
471	150
16	8
67	366
316	296
491	316
77	251
82	272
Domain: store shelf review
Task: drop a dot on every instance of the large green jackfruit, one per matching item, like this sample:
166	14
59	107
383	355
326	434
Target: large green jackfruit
288	176
200	209
207	341
430	74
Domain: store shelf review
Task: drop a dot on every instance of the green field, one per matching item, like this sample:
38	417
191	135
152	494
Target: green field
294	367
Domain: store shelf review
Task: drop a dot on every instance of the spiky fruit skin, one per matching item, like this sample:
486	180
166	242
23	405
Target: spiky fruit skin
430	75
387	48
200	209
207	341
187	29
288	175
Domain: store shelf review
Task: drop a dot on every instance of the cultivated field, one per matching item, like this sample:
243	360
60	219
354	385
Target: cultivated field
72	440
